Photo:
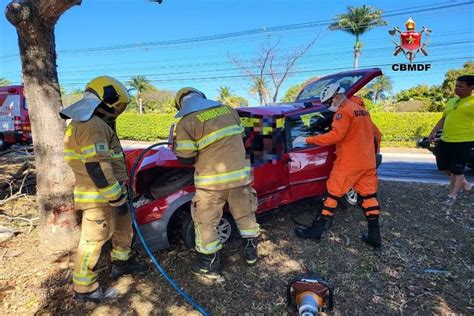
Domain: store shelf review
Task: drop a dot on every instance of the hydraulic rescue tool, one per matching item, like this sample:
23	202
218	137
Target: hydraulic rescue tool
310	295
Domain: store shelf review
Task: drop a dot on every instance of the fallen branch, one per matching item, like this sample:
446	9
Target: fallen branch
29	220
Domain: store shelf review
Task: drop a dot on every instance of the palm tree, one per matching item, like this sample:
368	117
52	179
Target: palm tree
378	86
357	21
4	82
140	84
224	93
260	87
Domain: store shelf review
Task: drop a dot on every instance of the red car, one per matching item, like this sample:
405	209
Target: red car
14	119
282	174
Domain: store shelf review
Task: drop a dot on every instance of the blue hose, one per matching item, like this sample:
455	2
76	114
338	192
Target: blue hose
131	194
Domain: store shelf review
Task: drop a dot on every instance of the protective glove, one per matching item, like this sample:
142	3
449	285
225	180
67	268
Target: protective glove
299	141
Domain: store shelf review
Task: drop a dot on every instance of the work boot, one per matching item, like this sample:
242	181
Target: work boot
130	266
373	237
99	295
250	250
207	265
314	232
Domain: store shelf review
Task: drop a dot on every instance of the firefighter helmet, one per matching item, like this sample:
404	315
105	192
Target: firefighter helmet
189	100
111	92
184	92
103	92
329	92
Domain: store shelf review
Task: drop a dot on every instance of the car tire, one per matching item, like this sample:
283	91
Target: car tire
170	182
3	143
350	198
227	230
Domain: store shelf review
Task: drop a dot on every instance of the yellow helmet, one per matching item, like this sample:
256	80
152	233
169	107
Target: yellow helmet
111	92
183	92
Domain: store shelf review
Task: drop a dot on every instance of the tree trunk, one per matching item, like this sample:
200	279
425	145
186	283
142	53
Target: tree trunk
356	58
356	53
34	22
140	103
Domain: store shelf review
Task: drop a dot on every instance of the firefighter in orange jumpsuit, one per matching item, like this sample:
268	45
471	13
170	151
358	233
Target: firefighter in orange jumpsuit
357	140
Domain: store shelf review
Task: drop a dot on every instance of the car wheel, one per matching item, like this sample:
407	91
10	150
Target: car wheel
3	143
170	182
351	197
226	229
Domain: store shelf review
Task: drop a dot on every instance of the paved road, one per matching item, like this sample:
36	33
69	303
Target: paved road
395	167
414	168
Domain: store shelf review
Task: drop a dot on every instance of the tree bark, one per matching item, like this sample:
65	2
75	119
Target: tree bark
34	22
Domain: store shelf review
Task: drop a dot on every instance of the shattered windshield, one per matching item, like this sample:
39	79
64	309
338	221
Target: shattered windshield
313	90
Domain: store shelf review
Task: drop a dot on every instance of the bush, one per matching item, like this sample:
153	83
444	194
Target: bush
405	127
402	128
145	127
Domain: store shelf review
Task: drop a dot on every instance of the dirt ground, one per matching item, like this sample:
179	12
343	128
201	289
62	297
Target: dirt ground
424	267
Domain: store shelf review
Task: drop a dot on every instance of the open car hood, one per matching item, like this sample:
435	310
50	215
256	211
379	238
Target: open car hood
159	157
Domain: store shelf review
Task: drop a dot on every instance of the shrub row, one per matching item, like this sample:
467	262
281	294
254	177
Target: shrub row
396	127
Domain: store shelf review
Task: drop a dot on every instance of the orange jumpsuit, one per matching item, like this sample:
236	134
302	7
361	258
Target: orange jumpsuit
357	139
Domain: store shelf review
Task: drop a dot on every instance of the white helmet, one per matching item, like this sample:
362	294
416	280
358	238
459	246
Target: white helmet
330	91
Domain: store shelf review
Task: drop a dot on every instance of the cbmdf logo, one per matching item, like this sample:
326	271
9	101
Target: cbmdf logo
410	44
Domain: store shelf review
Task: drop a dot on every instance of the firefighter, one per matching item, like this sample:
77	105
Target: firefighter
357	139
94	153
209	136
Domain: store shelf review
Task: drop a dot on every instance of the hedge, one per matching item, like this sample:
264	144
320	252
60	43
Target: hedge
396	127
144	127
405	127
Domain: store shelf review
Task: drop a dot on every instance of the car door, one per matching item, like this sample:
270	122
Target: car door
308	165
264	141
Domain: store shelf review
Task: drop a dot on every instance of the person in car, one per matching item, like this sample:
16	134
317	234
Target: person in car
209	136
93	151
457	138
356	138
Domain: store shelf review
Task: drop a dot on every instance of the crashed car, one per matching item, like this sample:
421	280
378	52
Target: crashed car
432	146
282	174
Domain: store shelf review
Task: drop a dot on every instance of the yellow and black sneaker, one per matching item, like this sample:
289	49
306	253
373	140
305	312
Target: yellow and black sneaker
207	266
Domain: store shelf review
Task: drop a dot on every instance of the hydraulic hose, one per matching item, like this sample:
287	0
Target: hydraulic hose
131	194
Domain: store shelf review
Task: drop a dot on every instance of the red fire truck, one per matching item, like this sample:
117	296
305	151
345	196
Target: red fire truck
15	125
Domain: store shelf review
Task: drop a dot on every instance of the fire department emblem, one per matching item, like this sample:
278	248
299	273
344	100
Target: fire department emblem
410	40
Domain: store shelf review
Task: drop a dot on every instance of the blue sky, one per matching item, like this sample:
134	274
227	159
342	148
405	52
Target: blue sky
136	37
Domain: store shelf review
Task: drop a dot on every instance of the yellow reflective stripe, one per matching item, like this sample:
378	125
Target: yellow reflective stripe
112	192
70	154
119	254
186	145
82	196
84	277
222	177
217	135
250	232
209	248
88	151
84	280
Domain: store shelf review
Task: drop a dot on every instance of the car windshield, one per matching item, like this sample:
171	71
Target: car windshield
313	90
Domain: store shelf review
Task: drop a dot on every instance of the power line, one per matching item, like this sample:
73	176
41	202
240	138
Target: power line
280	28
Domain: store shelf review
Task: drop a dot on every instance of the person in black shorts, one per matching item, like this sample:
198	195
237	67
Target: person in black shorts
457	137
